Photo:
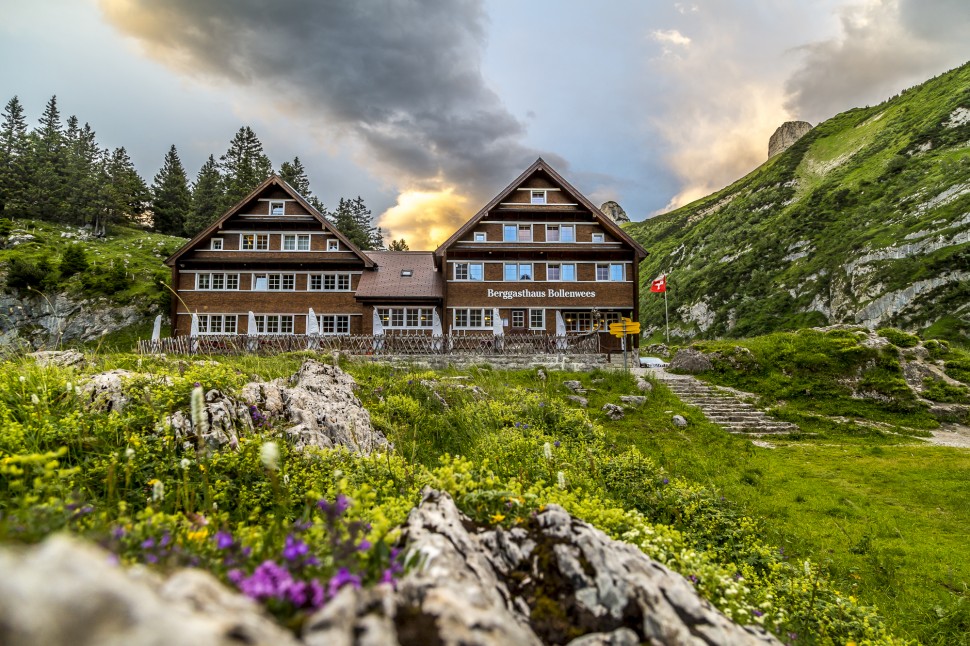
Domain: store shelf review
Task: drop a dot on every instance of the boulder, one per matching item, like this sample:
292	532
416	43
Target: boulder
643	385
633	400
679	420
582	401
226	420
105	391
690	361
554	579
61	358
69	594
573	385
320	403
613	411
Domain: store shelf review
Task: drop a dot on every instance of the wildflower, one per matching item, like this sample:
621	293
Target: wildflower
148	543
294	548
198	535
270	455
223	540
340	579
69	388
557	444
547	451
34	399
158	489
666	481
185	463
22	379
200	421
561	480
364	545
129	453
498	518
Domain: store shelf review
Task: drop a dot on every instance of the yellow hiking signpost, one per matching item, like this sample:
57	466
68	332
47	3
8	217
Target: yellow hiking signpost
621	329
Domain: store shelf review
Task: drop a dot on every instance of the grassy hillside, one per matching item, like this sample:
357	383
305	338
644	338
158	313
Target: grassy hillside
866	220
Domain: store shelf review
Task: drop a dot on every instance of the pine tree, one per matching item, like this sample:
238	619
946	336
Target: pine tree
244	166
125	195
294	174
171	199
45	188
207	198
398	245
81	157
13	158
353	219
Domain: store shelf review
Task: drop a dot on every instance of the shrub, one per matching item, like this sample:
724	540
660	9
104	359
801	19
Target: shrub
938	390
938	348
23	274
899	338
73	261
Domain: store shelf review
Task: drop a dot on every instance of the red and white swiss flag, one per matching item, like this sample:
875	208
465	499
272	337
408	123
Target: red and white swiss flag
659	283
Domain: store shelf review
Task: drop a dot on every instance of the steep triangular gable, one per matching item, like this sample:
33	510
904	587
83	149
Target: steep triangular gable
541	165
270	181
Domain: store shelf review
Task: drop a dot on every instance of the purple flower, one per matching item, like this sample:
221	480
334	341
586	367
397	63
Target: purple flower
364	546
340	579
756	612
666	481
337	508
693	579
118	532
302	525
197	385
557	444
223	540
166	539
294	548
148	543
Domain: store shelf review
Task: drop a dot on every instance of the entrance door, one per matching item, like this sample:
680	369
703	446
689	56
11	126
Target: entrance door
518	322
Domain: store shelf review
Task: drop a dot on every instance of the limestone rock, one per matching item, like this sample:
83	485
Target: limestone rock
105	391
319	401
643	385
679	420
62	358
690	361
573	385
226	420
582	401
68	594
613	411
615	212
786	135
633	400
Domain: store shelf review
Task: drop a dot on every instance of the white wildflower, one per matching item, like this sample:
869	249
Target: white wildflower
270	455
70	388
129	453
808	568
185	463
561	479
158	490
200	422
547	451
34	399
22	379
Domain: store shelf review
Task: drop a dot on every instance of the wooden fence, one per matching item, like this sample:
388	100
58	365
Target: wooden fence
380	345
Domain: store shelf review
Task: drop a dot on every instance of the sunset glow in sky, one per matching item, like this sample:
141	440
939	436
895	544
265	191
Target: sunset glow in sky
428	108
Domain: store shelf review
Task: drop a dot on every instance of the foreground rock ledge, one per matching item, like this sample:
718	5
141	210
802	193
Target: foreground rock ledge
558	581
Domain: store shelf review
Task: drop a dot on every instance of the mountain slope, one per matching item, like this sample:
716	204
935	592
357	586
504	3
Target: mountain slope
866	219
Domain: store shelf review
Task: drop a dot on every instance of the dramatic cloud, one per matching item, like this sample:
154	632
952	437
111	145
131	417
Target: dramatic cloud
402	77
671	36
883	47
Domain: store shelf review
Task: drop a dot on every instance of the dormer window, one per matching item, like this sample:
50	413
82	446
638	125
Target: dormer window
537	197
215	244
407	273
276	207
333	245
480	236
597	237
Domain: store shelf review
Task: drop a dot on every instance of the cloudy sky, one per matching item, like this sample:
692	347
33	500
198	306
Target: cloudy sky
427	108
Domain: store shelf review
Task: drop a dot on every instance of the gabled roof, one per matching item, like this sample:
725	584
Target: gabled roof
389	281
270	181
537	166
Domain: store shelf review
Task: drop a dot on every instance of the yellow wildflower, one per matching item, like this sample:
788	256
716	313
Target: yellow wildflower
198	535
498	518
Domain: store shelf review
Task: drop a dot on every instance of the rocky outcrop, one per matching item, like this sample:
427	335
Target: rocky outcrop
320	403
68	594
60	358
690	361
105	391
557	581
786	135
615	212
60	318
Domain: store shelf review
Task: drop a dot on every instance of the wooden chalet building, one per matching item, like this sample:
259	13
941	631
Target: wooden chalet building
539	258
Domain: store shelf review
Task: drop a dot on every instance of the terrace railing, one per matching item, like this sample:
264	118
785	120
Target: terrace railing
380	345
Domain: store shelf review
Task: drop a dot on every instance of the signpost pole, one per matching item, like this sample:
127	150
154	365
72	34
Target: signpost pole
623	343
667	317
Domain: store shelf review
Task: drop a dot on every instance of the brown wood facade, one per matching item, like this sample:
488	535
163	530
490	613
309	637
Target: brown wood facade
539	254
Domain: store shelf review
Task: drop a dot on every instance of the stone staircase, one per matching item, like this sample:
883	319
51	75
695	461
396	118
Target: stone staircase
722	406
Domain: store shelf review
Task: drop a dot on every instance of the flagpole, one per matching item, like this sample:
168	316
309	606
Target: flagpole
666	311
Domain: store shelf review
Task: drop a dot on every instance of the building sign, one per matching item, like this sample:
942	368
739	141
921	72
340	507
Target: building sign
507	295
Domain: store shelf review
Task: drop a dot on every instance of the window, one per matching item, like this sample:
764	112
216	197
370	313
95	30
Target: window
215	244
553	271
254	241
479	236
296	242
473	319
612	272
616	272
469	271
537	197
518	318
406	317
217	281
217	324
560	233
274	324
602	272
537	319
525	233
598	238
329	282
274	282
333	245
518	271
276	208
334	323
509	232
568	271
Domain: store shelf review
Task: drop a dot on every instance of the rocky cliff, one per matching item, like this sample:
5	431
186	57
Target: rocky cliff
786	135
615	212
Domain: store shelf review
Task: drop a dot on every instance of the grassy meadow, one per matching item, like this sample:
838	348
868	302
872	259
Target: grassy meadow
822	541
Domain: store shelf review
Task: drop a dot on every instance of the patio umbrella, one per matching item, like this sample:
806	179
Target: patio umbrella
312	326
560	331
